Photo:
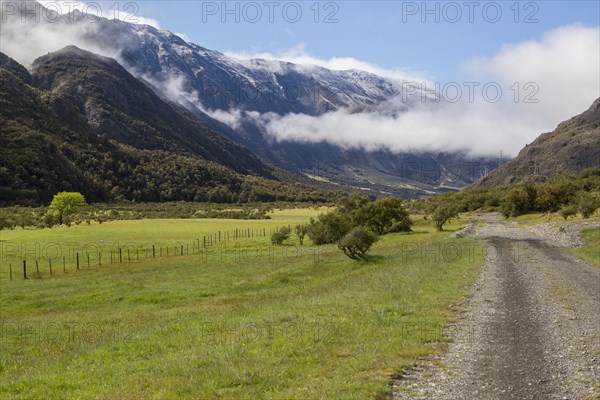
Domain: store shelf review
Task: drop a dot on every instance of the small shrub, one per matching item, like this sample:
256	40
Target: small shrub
357	243
301	230
588	204
329	228
443	214
519	200
317	232
568	211
281	235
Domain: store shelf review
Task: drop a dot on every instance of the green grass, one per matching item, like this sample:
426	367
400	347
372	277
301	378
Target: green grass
590	251
542	218
283	324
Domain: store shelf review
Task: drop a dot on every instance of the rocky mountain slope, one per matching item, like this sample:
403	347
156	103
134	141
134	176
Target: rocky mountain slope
572	147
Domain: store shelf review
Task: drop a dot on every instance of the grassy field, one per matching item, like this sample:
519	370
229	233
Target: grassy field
252	321
590	251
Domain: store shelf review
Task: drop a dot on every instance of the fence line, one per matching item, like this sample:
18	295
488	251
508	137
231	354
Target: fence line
205	248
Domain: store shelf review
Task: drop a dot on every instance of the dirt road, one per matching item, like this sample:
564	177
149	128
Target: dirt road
530	330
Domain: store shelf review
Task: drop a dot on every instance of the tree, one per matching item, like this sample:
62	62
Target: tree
281	235
337	225
64	205
301	230
329	228
588	204
568	211
386	215
317	232
353	207
519	200
553	195
357	243
442	214
6	222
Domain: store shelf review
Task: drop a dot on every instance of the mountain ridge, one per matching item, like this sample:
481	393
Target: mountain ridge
206	81
572	147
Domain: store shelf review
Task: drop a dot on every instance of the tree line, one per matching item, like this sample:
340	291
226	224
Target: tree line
566	194
354	226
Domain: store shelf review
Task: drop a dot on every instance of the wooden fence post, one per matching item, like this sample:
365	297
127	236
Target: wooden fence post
50	265
77	259
24	269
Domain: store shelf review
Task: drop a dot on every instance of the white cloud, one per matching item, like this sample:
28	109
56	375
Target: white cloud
560	72
563	64
41	33
128	12
184	36
139	20
298	55
26	41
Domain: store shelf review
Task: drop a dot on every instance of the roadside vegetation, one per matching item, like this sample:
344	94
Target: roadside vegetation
590	251
566	195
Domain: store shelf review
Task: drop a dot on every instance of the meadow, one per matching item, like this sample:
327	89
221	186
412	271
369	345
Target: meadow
237	319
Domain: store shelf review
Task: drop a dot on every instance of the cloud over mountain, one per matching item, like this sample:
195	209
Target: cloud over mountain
502	103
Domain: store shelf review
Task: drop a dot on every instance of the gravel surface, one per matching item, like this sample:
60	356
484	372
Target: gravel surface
530	329
565	236
464	232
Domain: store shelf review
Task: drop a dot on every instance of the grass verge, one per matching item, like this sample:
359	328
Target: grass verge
590	251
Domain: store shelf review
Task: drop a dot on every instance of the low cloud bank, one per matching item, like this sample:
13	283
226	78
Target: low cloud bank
504	103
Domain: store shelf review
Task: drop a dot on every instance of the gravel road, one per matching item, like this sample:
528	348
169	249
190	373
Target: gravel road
530	329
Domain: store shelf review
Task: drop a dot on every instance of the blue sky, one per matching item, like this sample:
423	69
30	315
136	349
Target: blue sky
389	34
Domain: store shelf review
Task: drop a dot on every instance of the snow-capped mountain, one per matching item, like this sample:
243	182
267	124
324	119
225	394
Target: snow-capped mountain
214	85
221	82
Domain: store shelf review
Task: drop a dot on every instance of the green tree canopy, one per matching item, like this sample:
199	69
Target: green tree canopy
357	243
442	214
385	215
64	205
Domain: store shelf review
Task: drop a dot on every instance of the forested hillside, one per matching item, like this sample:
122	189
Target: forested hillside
81	122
